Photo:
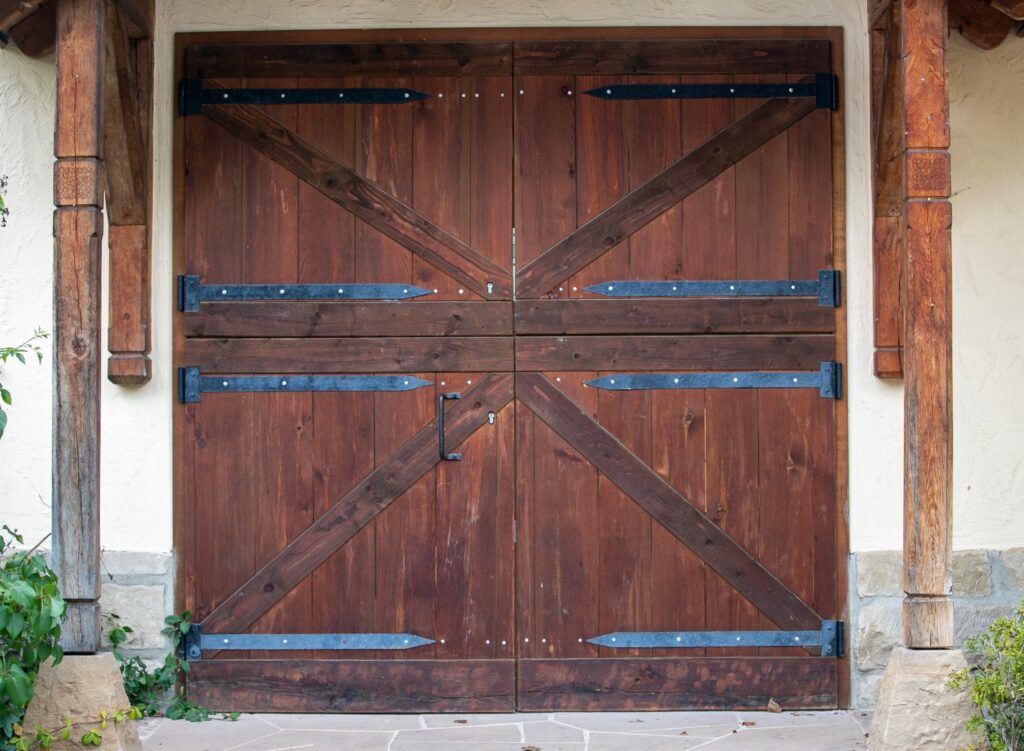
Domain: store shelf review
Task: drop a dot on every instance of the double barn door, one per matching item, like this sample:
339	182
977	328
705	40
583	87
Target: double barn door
508	375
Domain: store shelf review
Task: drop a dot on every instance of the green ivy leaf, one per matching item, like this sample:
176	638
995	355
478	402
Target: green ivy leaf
5	395
18	685
16	624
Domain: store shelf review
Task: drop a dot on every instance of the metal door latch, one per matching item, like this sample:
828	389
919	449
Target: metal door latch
445	456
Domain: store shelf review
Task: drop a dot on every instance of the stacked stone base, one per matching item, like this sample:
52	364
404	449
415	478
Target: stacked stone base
916	710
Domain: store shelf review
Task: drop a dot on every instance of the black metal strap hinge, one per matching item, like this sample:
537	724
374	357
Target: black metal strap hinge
191	383
827	379
829	639
191	292
196	642
824	90
192	96
826	288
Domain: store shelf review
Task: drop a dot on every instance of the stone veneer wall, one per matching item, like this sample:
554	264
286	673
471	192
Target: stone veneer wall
986	584
139	587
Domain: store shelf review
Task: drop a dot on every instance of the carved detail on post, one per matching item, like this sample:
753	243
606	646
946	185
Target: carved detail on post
78	228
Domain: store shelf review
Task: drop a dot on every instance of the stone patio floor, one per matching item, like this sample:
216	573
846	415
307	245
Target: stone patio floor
605	731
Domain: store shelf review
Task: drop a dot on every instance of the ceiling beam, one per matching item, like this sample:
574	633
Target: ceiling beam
981	23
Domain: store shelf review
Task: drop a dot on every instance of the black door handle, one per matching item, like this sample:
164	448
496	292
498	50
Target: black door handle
440	428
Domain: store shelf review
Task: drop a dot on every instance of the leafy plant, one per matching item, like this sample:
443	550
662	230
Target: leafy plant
4	211
145	687
995	682
28	347
30	613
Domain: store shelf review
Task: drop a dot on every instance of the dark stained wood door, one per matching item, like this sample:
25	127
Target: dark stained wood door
331	512
670	510
575	511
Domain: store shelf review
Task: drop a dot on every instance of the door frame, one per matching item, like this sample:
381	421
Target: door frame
183	531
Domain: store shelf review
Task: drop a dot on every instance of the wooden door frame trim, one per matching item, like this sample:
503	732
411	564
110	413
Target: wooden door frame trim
183	514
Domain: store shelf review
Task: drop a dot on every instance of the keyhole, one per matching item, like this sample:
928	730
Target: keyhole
490	418
490	288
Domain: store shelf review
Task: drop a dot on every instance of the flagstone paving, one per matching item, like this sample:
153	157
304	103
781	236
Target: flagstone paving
603	731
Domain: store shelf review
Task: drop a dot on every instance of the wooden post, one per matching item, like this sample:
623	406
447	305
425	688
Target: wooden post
78	228
927	361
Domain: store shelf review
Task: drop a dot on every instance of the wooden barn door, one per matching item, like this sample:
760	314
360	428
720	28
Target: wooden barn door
346	276
507	375
675	384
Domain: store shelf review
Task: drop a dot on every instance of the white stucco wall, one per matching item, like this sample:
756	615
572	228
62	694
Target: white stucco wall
136	440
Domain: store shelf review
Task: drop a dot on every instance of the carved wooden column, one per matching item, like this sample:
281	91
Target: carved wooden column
78	228
927	341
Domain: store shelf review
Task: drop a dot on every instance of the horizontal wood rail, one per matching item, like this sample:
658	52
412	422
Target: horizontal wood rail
349	319
684	316
350	355
718	352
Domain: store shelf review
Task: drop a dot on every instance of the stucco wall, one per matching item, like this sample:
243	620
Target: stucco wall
136	440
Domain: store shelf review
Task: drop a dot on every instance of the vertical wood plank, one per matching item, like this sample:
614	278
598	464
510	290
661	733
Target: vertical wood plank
563	534
545	149
440	169
213	201
406	574
678	585
226	499
284	503
625	528
78	228
733	499
762	201
787	495
471	496
383	155
344	585
491	135
603	145
327	242
709	227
